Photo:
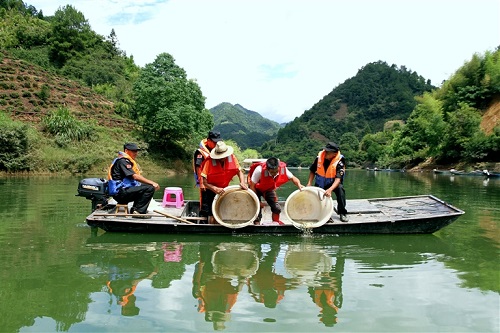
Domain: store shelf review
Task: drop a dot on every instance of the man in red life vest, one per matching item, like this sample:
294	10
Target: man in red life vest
202	153
265	178
329	169
217	171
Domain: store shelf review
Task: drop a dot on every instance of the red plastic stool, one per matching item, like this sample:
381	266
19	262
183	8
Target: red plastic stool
173	196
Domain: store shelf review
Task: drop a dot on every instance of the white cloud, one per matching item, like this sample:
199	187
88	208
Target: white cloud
280	57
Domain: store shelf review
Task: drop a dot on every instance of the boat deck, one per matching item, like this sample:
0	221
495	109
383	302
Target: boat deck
413	214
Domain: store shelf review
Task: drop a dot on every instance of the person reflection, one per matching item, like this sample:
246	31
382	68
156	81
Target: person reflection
219	276
125	273
328	294
265	285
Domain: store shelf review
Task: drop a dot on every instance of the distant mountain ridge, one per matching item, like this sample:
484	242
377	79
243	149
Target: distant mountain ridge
248	128
363	104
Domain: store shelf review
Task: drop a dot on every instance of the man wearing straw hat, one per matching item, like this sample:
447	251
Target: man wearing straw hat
217	172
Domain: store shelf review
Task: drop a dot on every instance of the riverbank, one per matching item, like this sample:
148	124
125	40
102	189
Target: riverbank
430	166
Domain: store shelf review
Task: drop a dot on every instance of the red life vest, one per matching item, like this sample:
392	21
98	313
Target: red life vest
219	175
268	182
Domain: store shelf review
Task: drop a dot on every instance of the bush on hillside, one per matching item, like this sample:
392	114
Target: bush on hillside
14	145
66	128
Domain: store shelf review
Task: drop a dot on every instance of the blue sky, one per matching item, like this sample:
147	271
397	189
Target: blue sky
280	57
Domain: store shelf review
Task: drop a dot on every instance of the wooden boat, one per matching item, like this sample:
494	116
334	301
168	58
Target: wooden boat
247	163
423	214
491	174
465	173
441	172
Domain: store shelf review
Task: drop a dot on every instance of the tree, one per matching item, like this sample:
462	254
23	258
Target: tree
169	107
464	123
71	35
19	31
426	127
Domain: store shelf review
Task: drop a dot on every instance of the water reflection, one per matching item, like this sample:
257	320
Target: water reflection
262	269
219	276
121	269
125	273
310	265
267	286
55	278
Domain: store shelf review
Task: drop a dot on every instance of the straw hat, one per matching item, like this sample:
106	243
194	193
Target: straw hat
221	150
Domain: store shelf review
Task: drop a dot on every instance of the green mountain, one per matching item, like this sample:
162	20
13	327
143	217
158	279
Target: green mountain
360	105
247	128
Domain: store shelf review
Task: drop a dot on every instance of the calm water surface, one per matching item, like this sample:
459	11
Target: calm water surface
59	276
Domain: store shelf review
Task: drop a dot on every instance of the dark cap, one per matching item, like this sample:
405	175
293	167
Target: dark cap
331	146
272	163
214	136
131	146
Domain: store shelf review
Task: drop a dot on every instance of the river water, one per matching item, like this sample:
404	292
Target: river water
57	275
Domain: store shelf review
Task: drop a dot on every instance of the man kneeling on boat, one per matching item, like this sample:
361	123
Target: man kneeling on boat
216	172
265	178
125	183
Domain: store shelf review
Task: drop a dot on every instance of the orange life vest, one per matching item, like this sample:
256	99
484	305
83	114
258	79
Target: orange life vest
115	185
205	151
121	154
325	178
329	298
124	298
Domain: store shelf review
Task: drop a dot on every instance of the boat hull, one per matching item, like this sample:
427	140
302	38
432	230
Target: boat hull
402	215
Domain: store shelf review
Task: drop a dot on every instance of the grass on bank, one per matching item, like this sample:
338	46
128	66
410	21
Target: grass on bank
64	146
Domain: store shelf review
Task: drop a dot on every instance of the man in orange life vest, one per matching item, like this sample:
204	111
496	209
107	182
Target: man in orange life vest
265	178
329	170
125	183
216	172
200	154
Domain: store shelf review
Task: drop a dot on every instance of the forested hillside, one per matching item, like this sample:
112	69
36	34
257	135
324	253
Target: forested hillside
391	117
70	97
29	93
248	128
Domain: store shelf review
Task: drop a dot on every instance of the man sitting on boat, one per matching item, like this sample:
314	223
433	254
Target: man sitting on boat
217	172
265	178
329	168
125	183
